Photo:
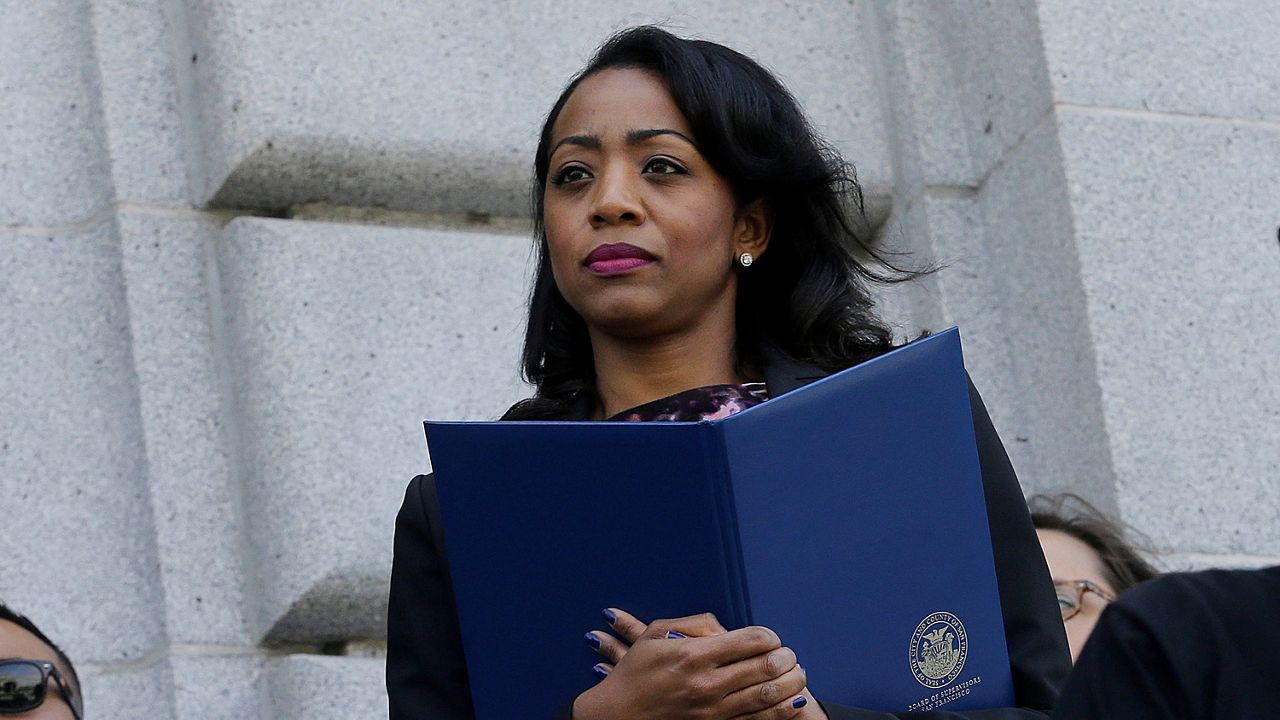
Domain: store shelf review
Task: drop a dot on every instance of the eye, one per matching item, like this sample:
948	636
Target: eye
664	166
570	174
1066	603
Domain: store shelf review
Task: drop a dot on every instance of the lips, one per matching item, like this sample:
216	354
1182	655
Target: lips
616	259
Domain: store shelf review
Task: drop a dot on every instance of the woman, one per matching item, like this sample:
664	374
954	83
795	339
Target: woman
1089	560
694	259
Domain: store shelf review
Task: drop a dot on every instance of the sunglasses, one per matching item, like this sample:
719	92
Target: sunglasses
24	686
1071	595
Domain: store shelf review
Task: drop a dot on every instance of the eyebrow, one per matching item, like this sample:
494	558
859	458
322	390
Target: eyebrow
634	137
586	141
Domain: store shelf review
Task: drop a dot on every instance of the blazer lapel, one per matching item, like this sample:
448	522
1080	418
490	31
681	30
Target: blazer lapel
581	408
782	374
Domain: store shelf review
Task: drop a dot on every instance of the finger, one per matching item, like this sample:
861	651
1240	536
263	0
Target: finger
625	624
755	670
602	670
788	709
778	698
704	625
737	645
607	645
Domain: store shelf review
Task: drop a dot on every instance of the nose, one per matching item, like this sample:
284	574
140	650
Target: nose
616	201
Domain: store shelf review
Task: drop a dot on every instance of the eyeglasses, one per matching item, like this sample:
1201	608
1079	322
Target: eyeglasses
1071	595
24	686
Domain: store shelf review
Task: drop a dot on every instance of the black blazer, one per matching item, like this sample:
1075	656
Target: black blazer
427	678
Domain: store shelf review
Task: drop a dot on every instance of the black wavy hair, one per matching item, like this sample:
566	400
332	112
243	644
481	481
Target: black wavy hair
1122	562
67	668
807	297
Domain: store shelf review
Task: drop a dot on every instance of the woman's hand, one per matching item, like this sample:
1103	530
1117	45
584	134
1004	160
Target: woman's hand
692	668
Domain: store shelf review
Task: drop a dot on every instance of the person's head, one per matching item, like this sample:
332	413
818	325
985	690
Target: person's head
37	679
679	156
1089	559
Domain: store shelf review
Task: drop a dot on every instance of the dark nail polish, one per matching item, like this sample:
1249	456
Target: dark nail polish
673	635
600	671
610	616
799	702
592	640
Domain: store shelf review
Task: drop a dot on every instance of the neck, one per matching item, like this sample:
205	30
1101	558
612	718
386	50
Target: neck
631	372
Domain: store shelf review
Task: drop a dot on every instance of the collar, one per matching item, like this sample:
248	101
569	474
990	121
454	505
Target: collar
782	374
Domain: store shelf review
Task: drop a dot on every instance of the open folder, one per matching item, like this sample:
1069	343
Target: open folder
847	515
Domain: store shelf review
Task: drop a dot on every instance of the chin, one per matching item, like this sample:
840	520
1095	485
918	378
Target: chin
628	321
624	314
633	326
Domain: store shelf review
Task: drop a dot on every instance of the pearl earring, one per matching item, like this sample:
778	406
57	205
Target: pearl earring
745	259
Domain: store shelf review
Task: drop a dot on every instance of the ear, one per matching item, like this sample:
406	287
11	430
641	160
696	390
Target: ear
752	228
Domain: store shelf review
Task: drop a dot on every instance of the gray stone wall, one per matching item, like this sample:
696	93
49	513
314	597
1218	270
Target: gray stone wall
246	246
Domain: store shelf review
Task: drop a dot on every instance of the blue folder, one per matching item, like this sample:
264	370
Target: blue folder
847	515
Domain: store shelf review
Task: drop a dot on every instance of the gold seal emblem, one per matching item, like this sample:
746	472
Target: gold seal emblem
939	648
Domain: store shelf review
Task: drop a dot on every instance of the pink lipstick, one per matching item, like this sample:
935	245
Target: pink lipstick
617	259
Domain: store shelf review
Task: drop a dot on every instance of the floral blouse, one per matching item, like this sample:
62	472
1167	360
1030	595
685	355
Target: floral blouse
704	403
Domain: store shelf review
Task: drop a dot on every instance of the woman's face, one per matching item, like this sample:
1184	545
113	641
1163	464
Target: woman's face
642	232
1071	559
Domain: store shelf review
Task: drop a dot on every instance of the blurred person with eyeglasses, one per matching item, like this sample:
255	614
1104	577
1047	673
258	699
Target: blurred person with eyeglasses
1185	646
37	680
1090	560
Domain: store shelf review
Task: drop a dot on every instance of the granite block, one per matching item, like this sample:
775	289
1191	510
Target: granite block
320	687
964	82
73	469
945	228
128	691
1053	424
913	307
947	231
343	339
998	56
922	110
1180	56
1192	562
1176	229
53	170
222	687
967	280
187	420
137	44
435	106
